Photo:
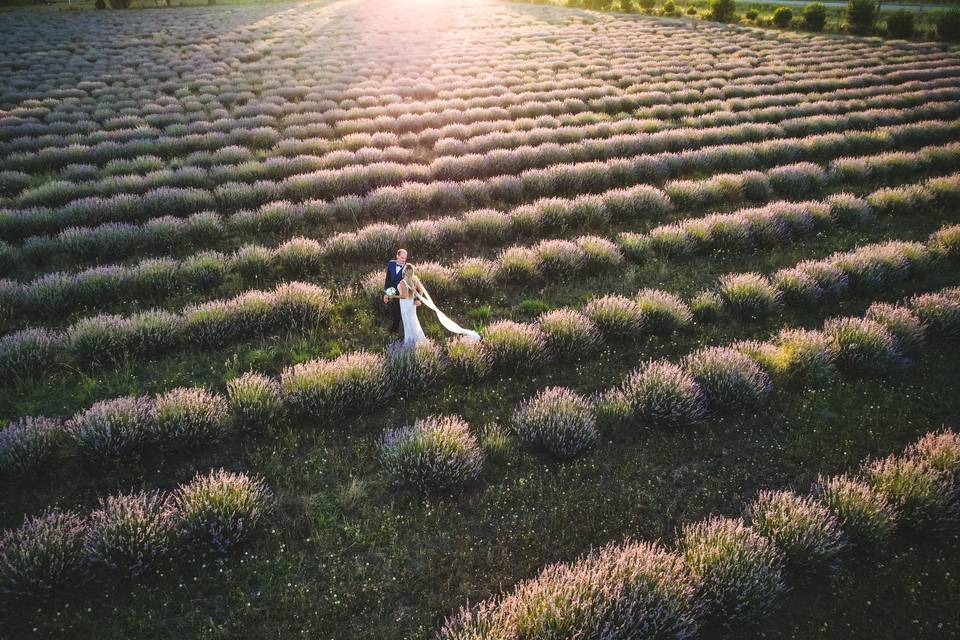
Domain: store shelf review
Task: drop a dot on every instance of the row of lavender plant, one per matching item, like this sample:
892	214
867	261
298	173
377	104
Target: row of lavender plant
775	112
723	571
171	131
700	113
778	222
483	136
231	162
129	535
798	180
576	91
33	350
357	180
105	340
303	78
534	74
720	380
81	180
121	429
870	268
118	239
300	257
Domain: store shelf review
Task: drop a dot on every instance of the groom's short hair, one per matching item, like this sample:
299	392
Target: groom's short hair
399	251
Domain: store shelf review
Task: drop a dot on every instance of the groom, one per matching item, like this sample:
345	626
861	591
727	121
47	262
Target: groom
394	276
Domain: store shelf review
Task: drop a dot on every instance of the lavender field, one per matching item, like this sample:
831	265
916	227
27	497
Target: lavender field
716	270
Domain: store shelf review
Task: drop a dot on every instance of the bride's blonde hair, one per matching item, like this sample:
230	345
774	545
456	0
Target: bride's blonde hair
410	278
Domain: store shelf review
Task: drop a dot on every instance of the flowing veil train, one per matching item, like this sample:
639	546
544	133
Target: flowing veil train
447	323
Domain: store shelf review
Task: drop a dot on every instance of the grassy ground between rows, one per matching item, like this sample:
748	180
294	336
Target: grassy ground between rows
349	557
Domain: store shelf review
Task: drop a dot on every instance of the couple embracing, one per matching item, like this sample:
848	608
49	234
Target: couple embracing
403	293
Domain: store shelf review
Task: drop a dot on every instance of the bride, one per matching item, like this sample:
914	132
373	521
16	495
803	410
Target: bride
412	294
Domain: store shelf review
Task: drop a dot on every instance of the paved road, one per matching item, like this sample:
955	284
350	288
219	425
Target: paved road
892	6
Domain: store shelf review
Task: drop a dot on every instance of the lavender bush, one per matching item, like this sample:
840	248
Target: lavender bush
113	430
556	420
634	590
99	340
327	389
469	360
749	295
129	533
514	346
727	378
658	393
30	351
865	516
807	533
517	264
599	254
300	257
740	572
946	241
568	333
559	259
28	444
798	181
412	368
475	275
42	554
797	286
154	332
255	400
300	305
921	494
435	454
766	355
189	417
806	355
706	306
940	451
615	316
663	312
905	327
863	346
939	313
829	278
219	510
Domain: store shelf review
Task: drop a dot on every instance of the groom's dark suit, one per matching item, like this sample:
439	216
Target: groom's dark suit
394	276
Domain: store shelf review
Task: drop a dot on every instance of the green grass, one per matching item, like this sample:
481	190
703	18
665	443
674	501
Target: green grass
348	557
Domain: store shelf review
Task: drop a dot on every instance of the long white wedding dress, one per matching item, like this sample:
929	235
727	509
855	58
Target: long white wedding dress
412	332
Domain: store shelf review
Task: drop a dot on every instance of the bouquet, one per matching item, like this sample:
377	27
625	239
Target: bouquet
391	292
